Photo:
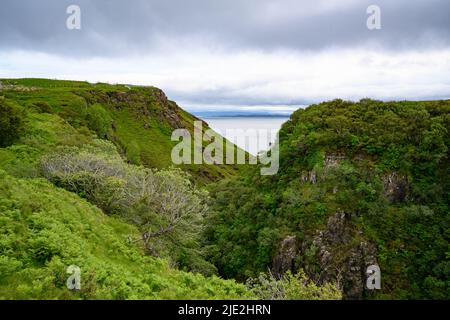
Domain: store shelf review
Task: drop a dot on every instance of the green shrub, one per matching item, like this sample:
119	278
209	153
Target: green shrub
44	230
43	107
12	120
164	204
98	120
292	287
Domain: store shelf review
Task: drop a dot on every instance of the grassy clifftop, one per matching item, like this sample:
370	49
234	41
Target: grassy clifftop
138	120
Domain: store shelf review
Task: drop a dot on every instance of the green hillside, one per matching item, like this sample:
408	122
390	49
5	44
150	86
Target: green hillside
359	184
86	181
45	229
138	120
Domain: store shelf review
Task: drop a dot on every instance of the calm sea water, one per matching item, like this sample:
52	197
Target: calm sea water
250	132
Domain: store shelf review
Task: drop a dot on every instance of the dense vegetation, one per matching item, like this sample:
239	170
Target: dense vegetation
359	183
44	230
163	204
138	120
85	180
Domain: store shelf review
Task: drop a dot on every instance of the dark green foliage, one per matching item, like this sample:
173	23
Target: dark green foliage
11	122
43	107
384	164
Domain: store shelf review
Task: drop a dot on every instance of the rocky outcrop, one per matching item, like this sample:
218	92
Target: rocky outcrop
151	103
396	187
342	257
284	260
310	176
332	159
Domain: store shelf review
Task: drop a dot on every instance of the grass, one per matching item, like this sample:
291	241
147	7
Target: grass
143	119
43	230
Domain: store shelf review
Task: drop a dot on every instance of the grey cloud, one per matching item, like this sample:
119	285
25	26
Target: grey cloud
117	27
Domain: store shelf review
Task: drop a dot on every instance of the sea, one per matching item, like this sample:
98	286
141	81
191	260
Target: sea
253	133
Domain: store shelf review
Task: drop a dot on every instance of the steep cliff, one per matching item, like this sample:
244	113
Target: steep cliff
359	184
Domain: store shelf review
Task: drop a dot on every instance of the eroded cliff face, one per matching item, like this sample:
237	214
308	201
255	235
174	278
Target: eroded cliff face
343	255
396	186
146	102
284	259
337	254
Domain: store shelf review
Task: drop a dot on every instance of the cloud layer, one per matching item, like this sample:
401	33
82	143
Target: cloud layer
254	52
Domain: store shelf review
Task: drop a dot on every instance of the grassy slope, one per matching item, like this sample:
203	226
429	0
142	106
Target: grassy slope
44	229
142	118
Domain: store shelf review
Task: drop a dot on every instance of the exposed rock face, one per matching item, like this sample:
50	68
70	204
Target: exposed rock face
338	256
333	159
149	103
172	115
396	187
341	257
284	260
310	176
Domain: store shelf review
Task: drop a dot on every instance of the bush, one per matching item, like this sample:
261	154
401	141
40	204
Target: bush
12	120
164	204
98	120
43	230
292	287
43	107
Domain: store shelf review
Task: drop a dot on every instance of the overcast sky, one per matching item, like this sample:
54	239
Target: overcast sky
212	53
